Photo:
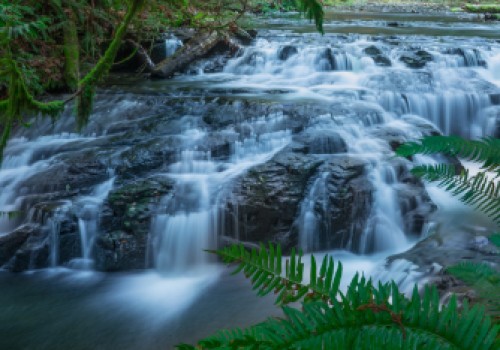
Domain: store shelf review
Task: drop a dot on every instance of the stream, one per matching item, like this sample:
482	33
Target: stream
289	141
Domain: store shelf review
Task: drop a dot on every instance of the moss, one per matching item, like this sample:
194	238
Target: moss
485	8
71	52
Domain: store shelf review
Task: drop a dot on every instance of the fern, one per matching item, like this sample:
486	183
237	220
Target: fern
485	151
484	280
314	11
365	317
480	190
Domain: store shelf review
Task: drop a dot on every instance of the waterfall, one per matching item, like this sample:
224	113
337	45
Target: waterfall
54	224
187	224
309	220
172	44
449	110
384	230
87	210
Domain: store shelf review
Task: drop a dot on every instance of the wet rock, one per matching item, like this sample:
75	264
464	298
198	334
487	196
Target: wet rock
321	142
266	200
471	57
416	60
349	203
326	60
80	170
125	223
286	52
143	157
33	252
11	242
449	245
377	55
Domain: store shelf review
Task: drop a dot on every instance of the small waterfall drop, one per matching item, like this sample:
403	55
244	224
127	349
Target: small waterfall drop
88	211
172	44
309	222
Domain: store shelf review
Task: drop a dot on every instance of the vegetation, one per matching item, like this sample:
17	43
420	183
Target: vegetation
364	317
482	8
481	190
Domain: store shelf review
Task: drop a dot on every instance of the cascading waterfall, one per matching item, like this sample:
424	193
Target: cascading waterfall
188	222
54	223
449	110
88	211
309	222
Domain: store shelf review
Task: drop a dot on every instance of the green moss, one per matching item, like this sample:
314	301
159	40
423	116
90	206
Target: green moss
485	8
71	53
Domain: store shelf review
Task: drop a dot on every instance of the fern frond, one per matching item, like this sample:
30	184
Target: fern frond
265	269
366	317
484	279
478	190
495	239
485	151
314	11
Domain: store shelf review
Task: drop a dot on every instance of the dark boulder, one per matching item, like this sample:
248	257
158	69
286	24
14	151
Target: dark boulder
417	59
125	223
33	252
378	56
266	200
13	241
286	52
321	141
349	203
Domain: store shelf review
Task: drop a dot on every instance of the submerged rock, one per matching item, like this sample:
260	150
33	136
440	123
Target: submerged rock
286	52
416	60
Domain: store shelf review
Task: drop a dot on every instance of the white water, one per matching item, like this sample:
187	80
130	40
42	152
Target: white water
189	222
87	210
23	159
172	44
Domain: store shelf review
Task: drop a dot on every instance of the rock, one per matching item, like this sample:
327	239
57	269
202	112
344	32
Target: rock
326	60
449	245
143	157
378	57
286	52
349	199
266	200
321	142
416	60
78	170
125	223
12	242
393	24
471	57
33	253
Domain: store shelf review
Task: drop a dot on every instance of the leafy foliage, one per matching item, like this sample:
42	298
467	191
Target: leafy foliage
485	151
314	11
480	190
365	317
485	280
